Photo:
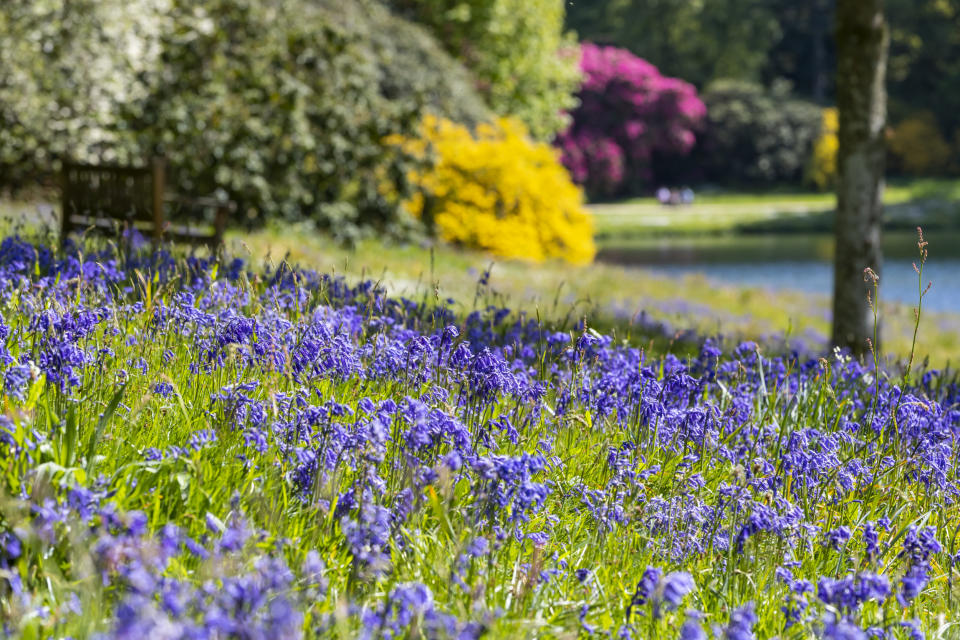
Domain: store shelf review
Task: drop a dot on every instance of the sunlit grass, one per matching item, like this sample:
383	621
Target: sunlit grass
722	212
529	480
613	298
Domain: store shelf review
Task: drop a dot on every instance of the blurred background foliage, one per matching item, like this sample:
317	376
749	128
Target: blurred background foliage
694	40
918	147
789	43
286	106
281	106
823	164
754	134
67	72
524	62
630	120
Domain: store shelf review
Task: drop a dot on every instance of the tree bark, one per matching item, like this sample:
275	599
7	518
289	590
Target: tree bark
862	39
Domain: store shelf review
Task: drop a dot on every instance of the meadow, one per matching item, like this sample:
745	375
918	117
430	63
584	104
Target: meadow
213	448
650	310
907	203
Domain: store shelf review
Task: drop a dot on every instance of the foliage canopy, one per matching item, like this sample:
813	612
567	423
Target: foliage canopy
281	106
753	134
785	40
524	62
690	39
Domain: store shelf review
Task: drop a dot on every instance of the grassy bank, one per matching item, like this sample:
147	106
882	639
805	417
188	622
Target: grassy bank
632	303
628	302
931	203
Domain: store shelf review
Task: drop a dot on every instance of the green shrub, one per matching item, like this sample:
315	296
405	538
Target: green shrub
917	147
279	109
412	64
283	107
756	135
66	69
525	65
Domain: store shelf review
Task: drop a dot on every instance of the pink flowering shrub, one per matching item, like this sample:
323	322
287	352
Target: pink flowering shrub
628	113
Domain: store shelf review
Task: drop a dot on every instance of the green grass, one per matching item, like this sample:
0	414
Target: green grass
30	211
895	191
612	297
931	202
617	299
644	219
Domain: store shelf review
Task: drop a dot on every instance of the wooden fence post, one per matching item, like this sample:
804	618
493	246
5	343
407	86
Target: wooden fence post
159	180
64	203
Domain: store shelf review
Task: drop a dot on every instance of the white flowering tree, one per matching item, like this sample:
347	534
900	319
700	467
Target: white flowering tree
67	72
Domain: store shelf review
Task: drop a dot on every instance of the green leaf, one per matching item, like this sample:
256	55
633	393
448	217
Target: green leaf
35	390
101	425
70	436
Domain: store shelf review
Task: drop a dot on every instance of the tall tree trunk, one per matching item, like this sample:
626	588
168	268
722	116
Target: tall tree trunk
862	105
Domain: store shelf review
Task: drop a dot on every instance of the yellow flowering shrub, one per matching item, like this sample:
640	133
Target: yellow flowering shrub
499	191
823	163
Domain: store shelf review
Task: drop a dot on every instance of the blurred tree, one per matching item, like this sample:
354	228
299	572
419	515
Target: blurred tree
755	135
792	40
412	65
917	147
924	59
66	69
862	43
804	53
924	68
283	106
694	40
524	62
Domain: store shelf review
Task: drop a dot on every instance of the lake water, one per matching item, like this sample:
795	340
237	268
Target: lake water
802	262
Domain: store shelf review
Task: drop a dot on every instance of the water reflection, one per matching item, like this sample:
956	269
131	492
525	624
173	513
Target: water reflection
802	262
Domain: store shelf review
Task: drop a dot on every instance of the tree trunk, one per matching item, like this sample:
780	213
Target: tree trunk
862	105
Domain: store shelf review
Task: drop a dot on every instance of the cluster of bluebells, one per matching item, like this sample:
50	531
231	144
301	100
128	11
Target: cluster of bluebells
193	449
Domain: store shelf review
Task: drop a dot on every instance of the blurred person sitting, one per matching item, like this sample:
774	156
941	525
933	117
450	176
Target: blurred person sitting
663	195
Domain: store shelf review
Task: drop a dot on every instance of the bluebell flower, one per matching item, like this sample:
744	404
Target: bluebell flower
692	630
587	628
675	587
741	623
